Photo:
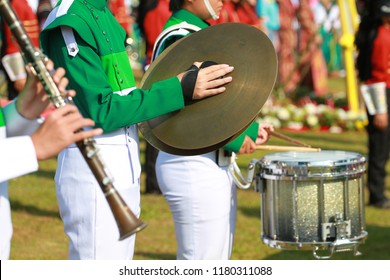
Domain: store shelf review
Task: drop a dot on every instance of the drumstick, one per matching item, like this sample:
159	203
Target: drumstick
287	148
289	139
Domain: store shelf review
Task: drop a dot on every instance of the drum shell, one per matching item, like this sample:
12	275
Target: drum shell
302	199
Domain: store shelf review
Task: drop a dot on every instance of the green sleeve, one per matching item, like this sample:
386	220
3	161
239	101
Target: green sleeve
94	95
251	131
2	122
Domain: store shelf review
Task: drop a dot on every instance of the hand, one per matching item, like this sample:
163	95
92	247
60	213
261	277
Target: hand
59	130
33	100
263	135
381	121
248	146
210	80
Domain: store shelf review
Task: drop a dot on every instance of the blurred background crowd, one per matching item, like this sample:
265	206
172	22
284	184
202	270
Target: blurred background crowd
314	41
305	33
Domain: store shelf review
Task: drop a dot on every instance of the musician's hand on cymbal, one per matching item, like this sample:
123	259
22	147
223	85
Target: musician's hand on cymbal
33	100
210	80
58	131
263	134
248	146
198	82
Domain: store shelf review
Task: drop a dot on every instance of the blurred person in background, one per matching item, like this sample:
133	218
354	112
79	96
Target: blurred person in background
327	18
151	17
32	14
268	11
299	44
373	64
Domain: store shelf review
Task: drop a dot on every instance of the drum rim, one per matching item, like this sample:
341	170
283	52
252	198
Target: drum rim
354	158
291	169
291	245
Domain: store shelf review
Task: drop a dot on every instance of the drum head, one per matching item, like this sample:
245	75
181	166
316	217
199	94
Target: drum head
312	164
323	158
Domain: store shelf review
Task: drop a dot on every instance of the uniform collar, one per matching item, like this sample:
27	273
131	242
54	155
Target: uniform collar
98	4
190	18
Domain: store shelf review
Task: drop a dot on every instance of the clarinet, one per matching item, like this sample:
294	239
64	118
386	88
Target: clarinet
126	220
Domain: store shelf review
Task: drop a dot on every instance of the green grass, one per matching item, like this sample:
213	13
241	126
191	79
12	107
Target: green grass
38	232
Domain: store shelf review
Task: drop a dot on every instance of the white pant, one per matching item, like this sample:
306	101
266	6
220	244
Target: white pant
202	199
88	220
5	222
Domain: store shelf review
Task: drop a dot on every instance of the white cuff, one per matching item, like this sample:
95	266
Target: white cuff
17	157
16	124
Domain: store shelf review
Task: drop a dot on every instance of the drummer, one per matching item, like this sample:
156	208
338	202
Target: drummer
84	38
199	189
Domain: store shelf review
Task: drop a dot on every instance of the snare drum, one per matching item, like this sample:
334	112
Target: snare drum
312	200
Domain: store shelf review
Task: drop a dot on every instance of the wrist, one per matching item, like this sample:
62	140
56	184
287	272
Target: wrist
23	110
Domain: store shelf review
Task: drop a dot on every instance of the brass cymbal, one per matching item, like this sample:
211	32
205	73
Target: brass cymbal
210	123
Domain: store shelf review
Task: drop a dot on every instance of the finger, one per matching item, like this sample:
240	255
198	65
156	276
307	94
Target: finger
64	115
216	71
49	64
197	63
218	82
76	121
28	69
64	110
87	134
81	123
268	127
252	147
68	93
58	74
63	84
263	134
211	92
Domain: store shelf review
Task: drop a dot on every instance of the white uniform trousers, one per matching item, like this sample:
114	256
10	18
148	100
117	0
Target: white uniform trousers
88	220
5	222
202	199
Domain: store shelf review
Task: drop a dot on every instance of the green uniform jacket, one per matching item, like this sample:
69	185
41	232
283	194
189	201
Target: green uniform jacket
98	67
188	17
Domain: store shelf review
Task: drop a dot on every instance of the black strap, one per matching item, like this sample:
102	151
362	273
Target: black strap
189	80
188	83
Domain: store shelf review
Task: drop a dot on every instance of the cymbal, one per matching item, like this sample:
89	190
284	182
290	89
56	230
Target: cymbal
210	123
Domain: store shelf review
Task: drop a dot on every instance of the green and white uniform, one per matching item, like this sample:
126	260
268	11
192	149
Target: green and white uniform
17	158
85	39
200	193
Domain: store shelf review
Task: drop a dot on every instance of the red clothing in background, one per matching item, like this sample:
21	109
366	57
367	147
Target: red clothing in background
247	14
380	58
228	14
121	13
30	22
153	25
